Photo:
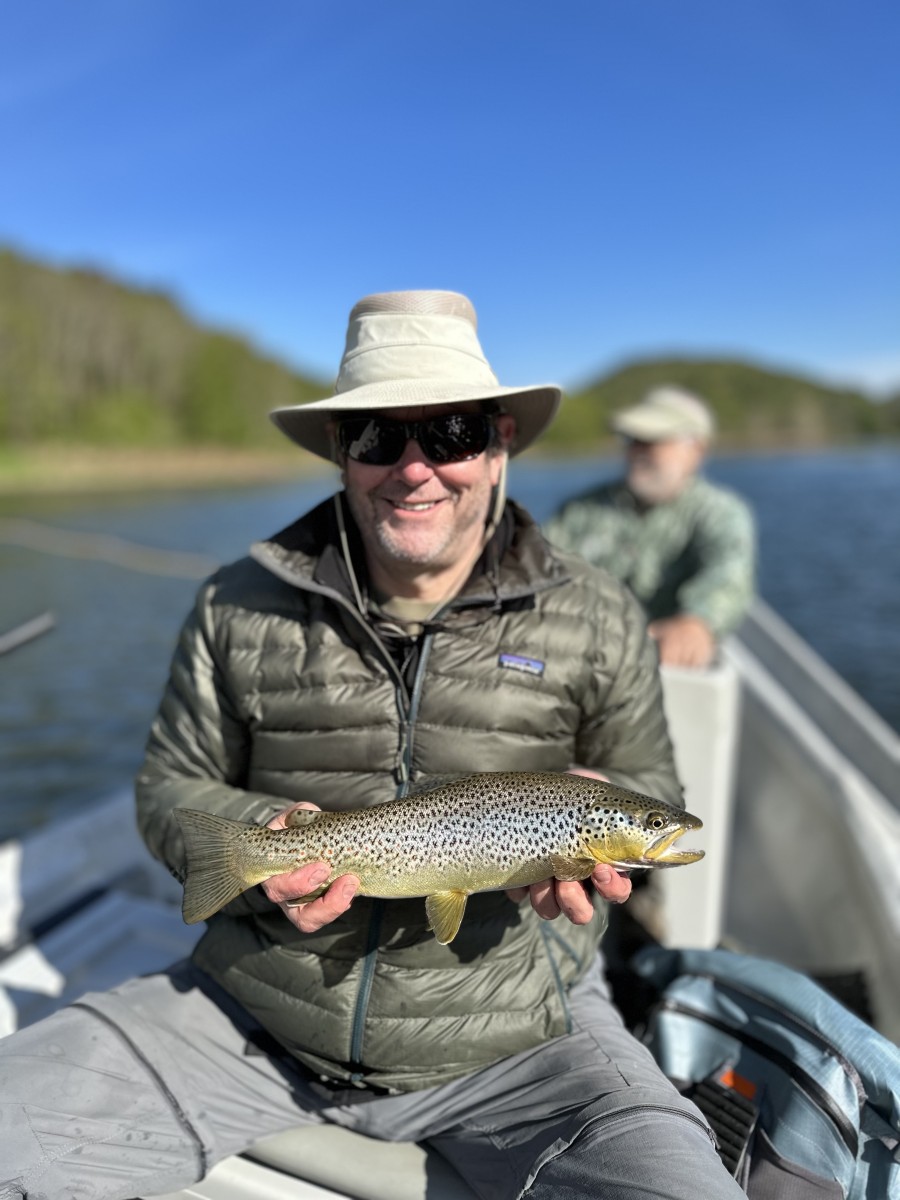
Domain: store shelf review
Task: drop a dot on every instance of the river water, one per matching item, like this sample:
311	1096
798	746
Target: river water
76	703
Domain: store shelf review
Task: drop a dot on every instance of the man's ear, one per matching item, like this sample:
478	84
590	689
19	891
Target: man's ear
336	455
505	424
701	448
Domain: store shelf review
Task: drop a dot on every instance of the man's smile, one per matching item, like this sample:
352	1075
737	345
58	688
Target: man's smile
414	506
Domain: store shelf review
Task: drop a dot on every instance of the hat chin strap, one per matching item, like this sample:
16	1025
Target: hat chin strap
498	502
345	550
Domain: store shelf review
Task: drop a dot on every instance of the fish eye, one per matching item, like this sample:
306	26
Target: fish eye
656	820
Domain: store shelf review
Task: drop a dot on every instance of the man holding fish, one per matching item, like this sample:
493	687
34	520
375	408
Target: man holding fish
479	716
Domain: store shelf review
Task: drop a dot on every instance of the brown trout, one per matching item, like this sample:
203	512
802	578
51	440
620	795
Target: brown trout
483	833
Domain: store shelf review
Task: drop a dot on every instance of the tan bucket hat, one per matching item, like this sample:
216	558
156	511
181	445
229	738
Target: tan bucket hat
406	349
663	413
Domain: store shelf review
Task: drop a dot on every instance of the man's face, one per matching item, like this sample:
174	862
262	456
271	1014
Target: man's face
657	472
419	515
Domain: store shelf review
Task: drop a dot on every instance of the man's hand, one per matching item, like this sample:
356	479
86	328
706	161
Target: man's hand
551	897
684	641
316	913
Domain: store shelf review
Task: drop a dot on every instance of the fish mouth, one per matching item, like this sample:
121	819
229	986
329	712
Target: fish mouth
663	851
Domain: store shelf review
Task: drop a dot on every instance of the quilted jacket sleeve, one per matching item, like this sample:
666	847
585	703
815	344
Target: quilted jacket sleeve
198	746
624	733
721	590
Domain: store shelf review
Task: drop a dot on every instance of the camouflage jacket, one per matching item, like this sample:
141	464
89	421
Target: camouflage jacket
695	554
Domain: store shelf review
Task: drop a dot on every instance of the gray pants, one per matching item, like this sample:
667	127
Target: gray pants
139	1091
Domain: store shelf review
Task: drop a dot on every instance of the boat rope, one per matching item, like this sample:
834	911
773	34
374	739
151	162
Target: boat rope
26	632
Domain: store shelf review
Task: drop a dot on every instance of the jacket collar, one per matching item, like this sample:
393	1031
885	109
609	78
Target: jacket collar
516	563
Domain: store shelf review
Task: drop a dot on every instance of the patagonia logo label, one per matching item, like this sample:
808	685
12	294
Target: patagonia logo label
517	662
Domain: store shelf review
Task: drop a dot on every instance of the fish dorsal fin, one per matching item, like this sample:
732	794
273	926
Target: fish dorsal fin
429	782
445	913
301	816
571	870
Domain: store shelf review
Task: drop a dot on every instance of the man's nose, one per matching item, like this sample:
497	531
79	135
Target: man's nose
413	465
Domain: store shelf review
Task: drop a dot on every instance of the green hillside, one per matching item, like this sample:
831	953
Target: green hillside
85	358
754	407
891	415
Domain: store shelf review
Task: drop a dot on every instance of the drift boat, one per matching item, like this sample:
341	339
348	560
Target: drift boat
796	780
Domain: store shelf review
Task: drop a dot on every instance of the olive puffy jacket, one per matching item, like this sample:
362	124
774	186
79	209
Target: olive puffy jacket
280	691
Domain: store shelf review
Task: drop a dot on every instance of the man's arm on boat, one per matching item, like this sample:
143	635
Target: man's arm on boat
721	590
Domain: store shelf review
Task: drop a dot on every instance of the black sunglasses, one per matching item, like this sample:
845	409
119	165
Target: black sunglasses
380	442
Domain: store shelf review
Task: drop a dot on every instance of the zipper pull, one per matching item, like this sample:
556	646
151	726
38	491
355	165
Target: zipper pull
401	770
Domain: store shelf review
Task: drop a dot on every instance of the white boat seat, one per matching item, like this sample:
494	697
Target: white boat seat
359	1166
703	712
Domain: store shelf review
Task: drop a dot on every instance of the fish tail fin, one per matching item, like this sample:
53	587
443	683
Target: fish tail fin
214	876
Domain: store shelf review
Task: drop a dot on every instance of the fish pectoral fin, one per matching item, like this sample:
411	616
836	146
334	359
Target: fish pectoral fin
445	913
571	870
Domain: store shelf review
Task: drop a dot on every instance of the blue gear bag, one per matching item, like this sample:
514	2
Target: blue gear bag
803	1095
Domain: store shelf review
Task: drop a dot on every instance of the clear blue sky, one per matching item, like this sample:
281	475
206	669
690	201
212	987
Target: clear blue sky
605	180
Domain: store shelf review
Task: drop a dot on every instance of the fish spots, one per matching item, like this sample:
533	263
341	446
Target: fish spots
484	830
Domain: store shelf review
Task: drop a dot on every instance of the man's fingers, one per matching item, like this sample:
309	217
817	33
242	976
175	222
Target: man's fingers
610	884
279	821
574	902
317	913
684	641
551	897
296	883
588	773
543	899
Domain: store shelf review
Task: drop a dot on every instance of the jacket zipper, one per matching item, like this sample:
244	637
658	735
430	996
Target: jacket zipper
367	976
408	707
557	978
802	1078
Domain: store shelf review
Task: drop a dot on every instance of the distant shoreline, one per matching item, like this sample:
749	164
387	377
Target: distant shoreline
79	469
58	470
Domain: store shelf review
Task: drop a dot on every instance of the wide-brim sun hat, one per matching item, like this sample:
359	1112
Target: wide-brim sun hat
664	413
415	349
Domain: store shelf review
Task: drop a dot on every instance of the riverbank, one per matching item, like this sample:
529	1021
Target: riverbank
77	469
62	469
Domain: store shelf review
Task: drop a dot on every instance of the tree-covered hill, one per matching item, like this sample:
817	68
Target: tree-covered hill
891	415
85	358
754	406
